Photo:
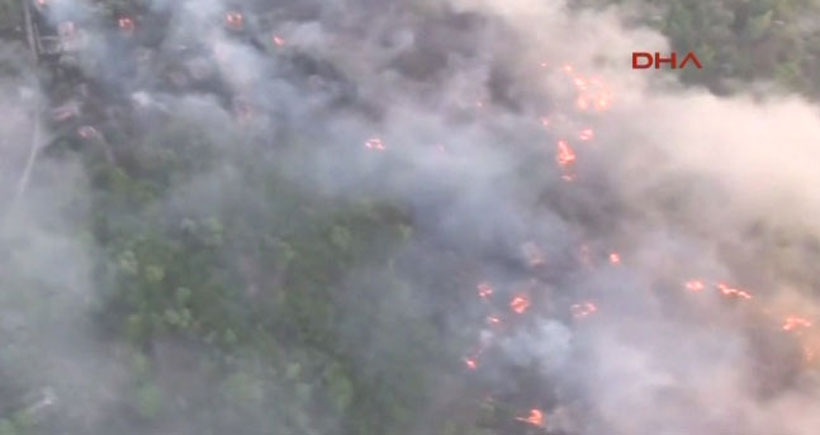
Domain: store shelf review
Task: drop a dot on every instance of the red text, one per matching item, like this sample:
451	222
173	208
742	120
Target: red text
644	60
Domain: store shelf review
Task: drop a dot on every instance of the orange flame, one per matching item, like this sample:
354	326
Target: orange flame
484	290
519	304
694	285
126	24
729	291
793	322
536	418
471	363
278	41
579	311
234	20
565	156
375	144
615	258
493	320
586	135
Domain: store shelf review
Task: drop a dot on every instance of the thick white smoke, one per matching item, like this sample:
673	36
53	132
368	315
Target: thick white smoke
683	184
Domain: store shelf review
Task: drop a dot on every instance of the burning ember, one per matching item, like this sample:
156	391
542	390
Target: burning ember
792	322
586	134
565	156
88	132
536	418
694	285
493	320
592	93
519	304
126	24
278	41
484	290
614	258
579	311
375	144
472	364
234	20
729	291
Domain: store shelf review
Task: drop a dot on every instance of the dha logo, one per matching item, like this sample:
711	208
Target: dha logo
644	60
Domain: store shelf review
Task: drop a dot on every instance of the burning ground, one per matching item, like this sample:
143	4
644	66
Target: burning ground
355	217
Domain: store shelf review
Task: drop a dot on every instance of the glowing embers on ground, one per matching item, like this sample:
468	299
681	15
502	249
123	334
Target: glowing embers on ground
484	290
126	25
375	143
735	292
586	134
519	304
592	92
535	418
472	363
792	323
278	40
565	157
582	310
234	20
696	285
89	132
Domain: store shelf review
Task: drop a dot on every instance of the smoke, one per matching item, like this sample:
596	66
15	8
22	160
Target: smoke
451	98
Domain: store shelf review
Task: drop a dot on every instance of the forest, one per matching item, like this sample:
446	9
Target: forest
200	263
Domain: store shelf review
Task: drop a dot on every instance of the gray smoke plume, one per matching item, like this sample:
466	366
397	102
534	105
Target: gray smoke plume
453	110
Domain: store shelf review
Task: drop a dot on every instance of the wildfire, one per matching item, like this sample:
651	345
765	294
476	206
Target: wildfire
564	156
234	20
729	291
592	92
375	144
694	285
471	363
579	311
535	418
484	290
126	24
88	132
793	322
519	304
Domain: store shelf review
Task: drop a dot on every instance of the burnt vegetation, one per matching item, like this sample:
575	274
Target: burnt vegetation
263	304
